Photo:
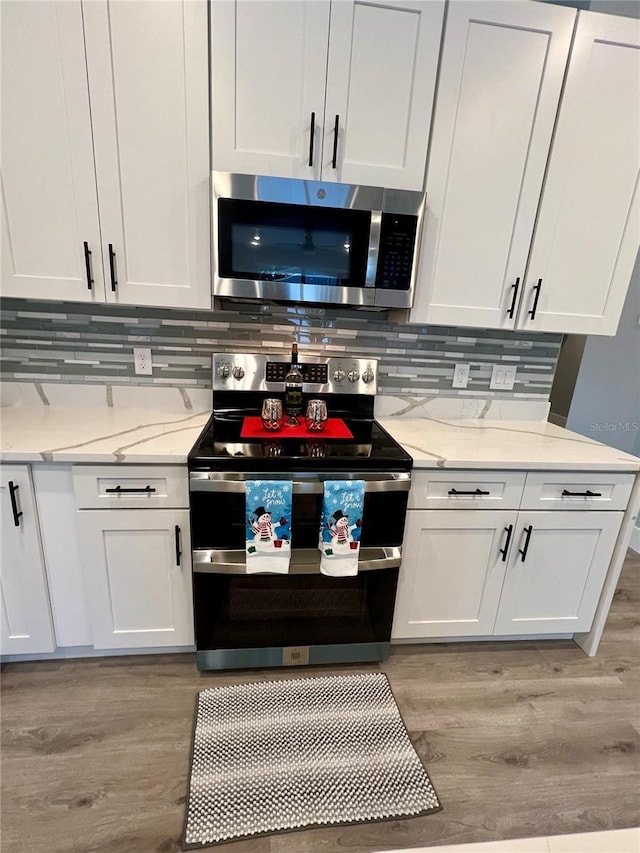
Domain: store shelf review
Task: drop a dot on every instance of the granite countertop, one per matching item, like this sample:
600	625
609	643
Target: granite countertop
98	435
469	443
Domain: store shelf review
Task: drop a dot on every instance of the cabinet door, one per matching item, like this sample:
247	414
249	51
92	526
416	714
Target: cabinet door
588	228
26	618
383	59
500	80
269	64
451	574
555	586
139	589
148	82
49	203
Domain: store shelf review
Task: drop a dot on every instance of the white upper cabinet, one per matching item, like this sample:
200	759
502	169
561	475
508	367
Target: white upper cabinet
346	94
105	137
501	75
269	64
588	227
49	204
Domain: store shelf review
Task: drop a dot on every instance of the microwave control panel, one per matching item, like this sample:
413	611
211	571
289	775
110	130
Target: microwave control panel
397	247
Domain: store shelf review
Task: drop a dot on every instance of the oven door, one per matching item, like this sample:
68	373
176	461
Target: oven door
303	617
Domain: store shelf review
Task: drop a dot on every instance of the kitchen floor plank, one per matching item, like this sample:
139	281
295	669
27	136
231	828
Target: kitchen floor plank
520	739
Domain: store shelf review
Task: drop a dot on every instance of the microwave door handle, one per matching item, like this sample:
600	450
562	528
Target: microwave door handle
374	248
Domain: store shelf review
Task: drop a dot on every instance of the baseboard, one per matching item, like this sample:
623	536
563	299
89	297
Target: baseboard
73	652
635	540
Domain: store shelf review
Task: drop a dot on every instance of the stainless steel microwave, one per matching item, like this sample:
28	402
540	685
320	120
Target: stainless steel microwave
281	239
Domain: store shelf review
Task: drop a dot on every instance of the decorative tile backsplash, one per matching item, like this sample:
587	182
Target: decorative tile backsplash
79	343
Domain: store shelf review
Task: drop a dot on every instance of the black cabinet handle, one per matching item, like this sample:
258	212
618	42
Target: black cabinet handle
473	493
588	494
112	267
523	551
87	264
178	551
311	135
514	299
14	503
537	287
508	530
118	490
334	159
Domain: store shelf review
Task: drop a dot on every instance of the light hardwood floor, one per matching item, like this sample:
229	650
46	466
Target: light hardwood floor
520	739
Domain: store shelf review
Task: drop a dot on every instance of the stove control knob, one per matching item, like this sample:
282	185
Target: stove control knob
339	375
223	371
368	375
238	372
353	376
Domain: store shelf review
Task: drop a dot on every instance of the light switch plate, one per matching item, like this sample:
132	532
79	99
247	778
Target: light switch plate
460	376
503	377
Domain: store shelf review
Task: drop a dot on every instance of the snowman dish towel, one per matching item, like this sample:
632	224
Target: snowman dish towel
340	527
268	511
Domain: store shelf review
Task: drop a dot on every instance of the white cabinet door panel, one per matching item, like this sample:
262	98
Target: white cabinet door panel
148	82
25	616
269	62
49	203
451	574
138	594
383	59
557	586
588	228
500	79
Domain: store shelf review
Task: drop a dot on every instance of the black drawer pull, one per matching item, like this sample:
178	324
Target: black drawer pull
118	490
508	530
512	309
14	503
528	530
474	493
588	494
178	550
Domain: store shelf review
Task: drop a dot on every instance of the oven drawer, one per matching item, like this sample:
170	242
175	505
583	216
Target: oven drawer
466	489
131	486
564	490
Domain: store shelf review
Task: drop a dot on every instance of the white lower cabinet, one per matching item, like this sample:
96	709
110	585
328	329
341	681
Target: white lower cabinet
452	573
27	626
485	573
137	566
557	566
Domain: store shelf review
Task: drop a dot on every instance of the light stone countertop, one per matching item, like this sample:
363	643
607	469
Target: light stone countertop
540	445
98	435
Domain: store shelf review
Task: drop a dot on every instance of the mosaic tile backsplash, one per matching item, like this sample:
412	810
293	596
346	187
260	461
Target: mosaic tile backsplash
73	342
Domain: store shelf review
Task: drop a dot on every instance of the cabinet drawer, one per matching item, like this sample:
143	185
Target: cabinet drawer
562	490
466	490
130	487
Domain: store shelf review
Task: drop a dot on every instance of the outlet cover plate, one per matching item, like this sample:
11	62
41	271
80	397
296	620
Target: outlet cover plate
142	361
503	377
460	376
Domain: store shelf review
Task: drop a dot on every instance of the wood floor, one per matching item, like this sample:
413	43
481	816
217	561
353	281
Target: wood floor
520	740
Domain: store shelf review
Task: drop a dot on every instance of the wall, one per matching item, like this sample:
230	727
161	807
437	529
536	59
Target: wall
72	342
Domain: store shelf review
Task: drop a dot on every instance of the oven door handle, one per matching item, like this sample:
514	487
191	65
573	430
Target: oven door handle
214	482
304	561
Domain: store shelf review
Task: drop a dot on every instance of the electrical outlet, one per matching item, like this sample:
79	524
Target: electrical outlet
460	376
142	361
503	377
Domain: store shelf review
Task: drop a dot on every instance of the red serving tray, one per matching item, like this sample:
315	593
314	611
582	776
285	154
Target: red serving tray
335	428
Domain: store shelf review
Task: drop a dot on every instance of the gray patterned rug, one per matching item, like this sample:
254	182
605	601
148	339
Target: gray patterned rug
277	756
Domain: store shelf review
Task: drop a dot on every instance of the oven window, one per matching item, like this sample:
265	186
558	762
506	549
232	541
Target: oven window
297	244
248	611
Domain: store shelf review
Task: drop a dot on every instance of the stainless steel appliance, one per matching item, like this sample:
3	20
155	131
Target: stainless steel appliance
302	617
307	241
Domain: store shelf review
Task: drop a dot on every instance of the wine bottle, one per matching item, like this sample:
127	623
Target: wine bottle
293	388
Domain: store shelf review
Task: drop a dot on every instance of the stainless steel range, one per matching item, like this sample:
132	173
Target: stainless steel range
302	617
